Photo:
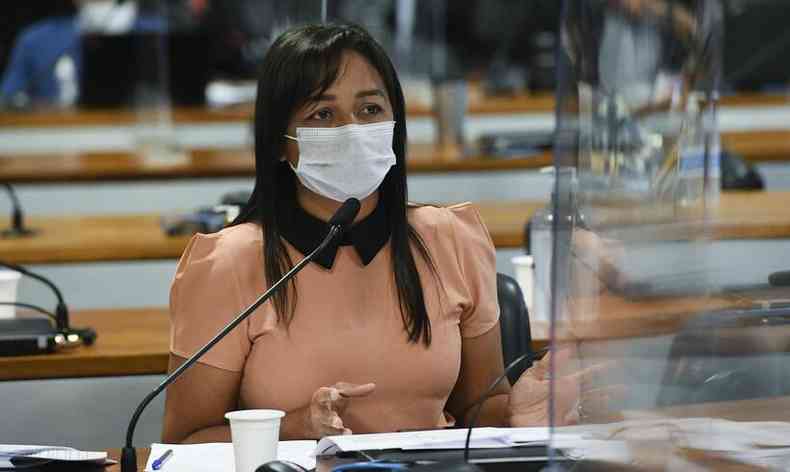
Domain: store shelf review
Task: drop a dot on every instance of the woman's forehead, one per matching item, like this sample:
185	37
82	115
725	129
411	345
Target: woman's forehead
355	73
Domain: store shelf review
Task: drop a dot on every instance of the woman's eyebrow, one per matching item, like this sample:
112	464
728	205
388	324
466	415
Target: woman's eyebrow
369	93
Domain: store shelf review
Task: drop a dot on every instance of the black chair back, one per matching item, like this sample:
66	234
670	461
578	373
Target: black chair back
514	324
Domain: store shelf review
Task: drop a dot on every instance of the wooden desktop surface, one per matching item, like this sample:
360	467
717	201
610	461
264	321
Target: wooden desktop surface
71	239
139	237
479	104
213	163
129	342
136	341
754	146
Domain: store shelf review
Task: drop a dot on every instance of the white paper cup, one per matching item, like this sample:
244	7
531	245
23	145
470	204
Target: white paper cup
525	276
9	280
255	435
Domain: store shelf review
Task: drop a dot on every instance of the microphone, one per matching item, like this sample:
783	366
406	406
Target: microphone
17	229
337	225
61	311
530	356
345	214
74	336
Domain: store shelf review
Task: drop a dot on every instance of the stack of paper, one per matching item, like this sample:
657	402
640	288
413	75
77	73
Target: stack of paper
211	457
15	455
482	438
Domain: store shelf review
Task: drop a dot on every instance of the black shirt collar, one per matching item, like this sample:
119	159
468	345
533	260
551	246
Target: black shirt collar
305	232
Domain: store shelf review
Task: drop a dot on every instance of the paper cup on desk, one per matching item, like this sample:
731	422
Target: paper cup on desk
255	434
525	276
9	280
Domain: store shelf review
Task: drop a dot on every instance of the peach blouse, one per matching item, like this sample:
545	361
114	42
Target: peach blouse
347	323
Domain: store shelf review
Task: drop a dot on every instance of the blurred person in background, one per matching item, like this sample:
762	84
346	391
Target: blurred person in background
44	67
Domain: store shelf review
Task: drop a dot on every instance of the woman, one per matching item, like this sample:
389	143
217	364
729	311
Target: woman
396	328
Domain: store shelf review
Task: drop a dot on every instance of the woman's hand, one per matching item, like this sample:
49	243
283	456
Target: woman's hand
528	404
329	403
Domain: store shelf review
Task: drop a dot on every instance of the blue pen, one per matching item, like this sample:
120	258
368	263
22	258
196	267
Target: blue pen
158	463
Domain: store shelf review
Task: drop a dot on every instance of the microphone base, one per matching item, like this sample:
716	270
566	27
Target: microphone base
17	233
128	460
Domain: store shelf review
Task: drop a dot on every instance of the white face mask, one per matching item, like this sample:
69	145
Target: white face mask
344	162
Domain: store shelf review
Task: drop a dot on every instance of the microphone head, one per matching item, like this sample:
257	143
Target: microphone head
345	214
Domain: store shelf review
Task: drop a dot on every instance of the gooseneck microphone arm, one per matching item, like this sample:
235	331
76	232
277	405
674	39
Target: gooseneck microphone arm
17	228
479	403
343	217
61	311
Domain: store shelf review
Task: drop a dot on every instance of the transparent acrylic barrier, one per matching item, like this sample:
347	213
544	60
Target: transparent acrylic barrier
666	355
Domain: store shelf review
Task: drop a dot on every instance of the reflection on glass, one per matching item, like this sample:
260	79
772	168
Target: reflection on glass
676	338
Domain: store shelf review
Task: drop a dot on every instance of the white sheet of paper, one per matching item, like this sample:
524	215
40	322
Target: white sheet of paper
413	440
210	457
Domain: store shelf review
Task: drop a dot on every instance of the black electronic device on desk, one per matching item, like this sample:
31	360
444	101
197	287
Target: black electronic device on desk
516	144
519	458
28	336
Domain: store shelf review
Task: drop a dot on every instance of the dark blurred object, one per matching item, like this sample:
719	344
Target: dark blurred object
238	198
512	35
204	220
780	279
729	355
757	45
514	324
516	144
122	70
208	219
542	62
17	228
243	30
18	14
27	336
737	174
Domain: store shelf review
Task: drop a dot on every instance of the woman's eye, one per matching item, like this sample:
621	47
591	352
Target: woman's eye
321	115
372	109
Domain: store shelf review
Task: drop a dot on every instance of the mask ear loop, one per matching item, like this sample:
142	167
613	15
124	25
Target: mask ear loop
282	158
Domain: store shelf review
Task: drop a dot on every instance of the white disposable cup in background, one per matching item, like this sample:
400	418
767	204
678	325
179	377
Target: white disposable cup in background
525	276
9	280
255	434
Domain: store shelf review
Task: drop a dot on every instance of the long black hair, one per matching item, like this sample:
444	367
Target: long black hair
300	66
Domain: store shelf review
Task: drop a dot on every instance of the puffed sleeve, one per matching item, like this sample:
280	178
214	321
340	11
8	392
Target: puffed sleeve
204	297
477	263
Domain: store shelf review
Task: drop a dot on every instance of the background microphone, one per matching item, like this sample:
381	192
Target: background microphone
61	311
337	225
61	315
17	229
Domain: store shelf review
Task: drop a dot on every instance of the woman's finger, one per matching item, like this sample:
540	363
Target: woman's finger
348	390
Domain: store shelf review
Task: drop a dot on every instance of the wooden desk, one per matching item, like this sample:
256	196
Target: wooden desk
139	237
754	146
64	239
478	105
130	342
213	163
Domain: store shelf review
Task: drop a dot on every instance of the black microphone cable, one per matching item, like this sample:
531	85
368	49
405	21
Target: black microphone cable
30	306
479	403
